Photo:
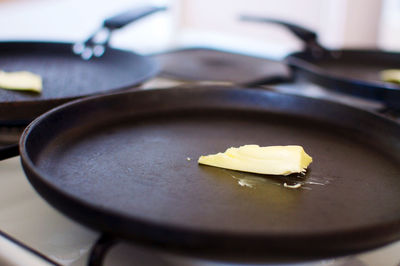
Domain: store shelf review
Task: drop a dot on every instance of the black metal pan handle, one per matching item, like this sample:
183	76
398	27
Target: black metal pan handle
100	250
9	151
96	44
309	37
120	20
9	137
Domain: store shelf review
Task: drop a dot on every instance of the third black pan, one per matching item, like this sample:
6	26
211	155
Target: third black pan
67	74
126	164
355	72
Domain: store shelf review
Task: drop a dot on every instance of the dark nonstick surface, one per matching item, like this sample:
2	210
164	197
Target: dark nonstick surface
66	76
119	164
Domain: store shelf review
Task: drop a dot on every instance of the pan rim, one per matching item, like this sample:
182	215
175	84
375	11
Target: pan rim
392	227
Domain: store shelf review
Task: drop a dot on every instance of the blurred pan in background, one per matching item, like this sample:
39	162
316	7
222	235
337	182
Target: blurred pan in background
350	71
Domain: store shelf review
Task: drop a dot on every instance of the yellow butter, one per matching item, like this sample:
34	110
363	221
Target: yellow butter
391	75
271	160
20	80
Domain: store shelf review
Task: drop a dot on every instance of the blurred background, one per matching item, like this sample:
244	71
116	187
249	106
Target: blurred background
339	23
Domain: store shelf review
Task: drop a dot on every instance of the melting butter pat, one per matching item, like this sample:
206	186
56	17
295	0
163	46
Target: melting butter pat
20	80
271	160
391	75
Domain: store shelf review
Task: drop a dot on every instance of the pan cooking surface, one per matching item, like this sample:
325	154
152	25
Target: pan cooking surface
66	75
141	168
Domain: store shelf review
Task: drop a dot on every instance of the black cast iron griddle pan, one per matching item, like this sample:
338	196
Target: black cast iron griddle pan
126	164
202	64
352	71
69	74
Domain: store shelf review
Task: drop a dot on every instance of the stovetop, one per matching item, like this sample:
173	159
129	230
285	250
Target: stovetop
27	218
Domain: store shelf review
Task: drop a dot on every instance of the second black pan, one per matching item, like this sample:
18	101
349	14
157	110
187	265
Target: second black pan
67	75
351	71
126	164
201	64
